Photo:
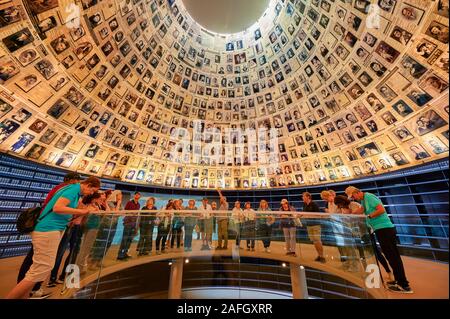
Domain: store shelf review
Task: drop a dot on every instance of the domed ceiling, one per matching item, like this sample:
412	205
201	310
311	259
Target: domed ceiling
308	92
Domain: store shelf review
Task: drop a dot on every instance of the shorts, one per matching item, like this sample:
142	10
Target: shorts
201	225
45	248
208	225
314	233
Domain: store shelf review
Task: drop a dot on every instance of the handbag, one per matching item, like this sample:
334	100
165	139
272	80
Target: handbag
298	222
28	219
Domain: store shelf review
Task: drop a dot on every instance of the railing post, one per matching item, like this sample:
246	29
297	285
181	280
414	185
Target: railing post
298	282
176	279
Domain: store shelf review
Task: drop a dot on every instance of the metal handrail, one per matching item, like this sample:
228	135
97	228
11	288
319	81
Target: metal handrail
227	213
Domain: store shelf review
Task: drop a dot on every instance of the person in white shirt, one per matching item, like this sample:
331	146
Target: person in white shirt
204	222
264	224
163	220
249	226
222	221
238	218
342	232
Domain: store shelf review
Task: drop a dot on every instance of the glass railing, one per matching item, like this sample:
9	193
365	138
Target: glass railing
139	242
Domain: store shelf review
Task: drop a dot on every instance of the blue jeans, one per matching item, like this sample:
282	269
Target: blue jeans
72	238
189	225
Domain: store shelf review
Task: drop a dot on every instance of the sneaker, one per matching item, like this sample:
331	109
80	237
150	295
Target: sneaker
400	289
60	281
267	250
39	294
320	259
391	283
219	248
51	284
158	252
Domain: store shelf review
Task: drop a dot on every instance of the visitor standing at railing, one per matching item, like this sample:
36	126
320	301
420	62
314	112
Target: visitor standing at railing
313	226
177	225
146	226
48	232
203	222
100	247
90	230
288	225
222	223
37	291
238	219
163	220
129	227
342	232
189	224
350	207
75	231
114	201
264	224
384	229
250	226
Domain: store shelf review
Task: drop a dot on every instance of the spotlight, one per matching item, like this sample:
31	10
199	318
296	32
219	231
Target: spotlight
186	260
283	264
170	263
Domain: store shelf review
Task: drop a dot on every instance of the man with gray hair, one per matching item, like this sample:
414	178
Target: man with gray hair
384	229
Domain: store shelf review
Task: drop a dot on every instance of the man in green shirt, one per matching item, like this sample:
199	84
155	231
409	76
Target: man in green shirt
48	232
385	232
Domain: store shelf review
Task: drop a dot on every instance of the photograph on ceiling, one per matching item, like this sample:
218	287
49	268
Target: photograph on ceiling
436	145
410	13
7	127
22	142
47	24
57	109
387	52
384	163
27	56
58	82
28	82
10	15
46	68
433	84
402	134
418	152
5	107
442	8
65	160
21	115
437	31
368	149
18	40
7	70
402	108
35	152
419	97
38	126
428	122
48	137
63	141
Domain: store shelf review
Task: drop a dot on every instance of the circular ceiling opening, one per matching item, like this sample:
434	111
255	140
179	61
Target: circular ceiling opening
226	17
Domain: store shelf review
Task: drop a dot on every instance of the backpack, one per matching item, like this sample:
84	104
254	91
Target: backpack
28	219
